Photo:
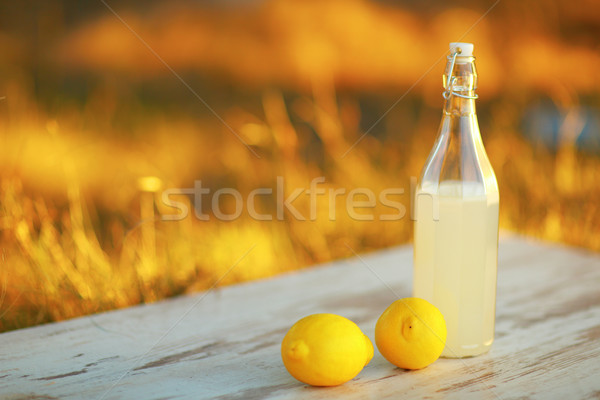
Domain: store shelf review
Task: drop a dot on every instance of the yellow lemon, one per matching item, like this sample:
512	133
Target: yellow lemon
325	350
411	333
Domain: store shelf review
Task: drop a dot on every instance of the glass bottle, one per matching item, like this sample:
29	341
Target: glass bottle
456	225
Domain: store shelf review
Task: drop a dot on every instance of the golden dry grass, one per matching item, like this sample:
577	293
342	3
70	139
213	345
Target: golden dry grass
80	209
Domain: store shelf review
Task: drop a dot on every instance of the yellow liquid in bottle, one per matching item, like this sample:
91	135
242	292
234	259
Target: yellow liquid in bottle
456	258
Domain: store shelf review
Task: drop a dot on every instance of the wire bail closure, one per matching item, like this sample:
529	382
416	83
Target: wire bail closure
450	79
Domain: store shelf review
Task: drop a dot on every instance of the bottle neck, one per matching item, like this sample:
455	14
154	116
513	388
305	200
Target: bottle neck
460	129
460	82
459	155
458	106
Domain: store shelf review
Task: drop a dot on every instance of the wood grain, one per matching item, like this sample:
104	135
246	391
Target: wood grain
224	344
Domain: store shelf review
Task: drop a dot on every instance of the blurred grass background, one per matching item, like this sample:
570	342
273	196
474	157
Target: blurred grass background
94	126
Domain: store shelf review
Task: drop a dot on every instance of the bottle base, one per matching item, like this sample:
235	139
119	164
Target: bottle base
466	351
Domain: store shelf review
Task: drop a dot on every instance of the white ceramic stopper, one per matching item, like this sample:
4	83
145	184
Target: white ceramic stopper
466	48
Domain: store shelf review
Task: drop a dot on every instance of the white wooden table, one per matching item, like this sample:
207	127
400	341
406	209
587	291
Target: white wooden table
224	344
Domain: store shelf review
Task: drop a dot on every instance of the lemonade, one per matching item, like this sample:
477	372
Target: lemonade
456	249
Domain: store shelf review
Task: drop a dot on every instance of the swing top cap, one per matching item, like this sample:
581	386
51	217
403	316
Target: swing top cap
466	48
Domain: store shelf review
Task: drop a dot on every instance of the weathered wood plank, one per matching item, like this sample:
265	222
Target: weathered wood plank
225	344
